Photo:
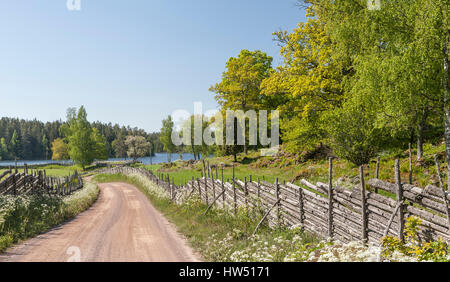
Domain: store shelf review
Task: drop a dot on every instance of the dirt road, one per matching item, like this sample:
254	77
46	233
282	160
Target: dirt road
121	226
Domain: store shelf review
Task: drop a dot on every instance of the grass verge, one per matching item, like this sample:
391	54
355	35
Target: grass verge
221	237
24	217
224	238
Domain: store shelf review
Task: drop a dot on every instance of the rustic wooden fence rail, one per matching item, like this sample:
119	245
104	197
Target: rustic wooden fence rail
360	213
35	181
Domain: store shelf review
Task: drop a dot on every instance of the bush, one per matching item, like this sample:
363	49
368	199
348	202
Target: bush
354	136
413	246
23	217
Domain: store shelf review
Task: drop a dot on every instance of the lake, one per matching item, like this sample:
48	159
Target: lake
157	159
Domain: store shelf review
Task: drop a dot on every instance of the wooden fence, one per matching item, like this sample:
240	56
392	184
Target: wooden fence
340	213
35	181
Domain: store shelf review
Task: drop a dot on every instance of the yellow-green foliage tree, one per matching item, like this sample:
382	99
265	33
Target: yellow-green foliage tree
60	150
307	85
240	88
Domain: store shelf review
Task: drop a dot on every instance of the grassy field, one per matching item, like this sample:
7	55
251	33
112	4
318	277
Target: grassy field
424	170
57	170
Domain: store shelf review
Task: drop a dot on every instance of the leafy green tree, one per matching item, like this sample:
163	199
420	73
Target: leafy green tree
137	146
45	144
119	146
14	145
166	137
240	88
189	126
396	58
308	84
85	143
353	133
3	149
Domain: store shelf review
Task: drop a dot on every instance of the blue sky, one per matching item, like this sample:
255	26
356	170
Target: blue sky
131	62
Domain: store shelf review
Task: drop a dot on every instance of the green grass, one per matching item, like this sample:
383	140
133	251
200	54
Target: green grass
57	170
285	169
219	236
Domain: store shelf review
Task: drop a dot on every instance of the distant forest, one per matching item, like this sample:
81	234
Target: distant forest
31	139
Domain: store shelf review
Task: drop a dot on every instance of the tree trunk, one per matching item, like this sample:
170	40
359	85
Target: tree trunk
420	129
447	111
193	151
419	141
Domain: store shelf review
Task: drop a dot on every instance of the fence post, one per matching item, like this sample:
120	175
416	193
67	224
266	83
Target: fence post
245	193
199	190
410	165
223	189
203	167
398	181
259	190
14	184
330	198
213	185
444	194
234	194
377	171
172	188
300	206
277	192
363	205
206	190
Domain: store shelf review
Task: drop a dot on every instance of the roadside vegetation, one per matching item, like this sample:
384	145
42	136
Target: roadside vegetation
26	216
221	237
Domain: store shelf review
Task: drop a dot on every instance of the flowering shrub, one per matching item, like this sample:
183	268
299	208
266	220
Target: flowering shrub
151	187
25	216
287	246
413	246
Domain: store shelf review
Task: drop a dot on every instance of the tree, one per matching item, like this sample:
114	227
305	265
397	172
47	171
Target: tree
396	60
240	88
85	143
45	143
166	137
14	145
3	149
60	150
189	126
308	84
151	151
119	146
137	146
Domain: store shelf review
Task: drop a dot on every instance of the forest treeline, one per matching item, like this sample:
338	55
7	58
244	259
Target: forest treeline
32	139
358	77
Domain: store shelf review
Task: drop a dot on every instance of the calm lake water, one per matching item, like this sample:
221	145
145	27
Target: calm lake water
157	159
